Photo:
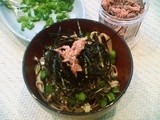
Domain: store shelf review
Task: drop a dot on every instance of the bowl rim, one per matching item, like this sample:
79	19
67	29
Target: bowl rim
84	113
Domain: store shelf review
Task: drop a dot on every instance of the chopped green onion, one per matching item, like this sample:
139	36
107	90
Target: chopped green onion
25	23
49	22
30	26
111	96
36	10
80	96
115	90
49	88
62	16
43	74
7	4
35	19
112	54
103	102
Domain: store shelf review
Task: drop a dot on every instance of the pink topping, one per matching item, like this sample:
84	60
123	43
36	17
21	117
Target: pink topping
123	8
70	53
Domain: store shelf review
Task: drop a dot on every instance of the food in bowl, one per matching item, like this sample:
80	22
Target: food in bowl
52	54
77	73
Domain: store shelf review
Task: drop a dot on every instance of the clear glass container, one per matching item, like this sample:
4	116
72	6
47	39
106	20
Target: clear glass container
129	28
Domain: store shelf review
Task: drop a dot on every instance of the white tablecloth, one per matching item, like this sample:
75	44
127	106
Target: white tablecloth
140	102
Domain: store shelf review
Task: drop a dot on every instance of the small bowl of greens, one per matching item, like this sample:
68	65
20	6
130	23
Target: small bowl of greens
77	69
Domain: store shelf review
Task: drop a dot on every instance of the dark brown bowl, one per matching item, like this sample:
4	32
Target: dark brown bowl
124	63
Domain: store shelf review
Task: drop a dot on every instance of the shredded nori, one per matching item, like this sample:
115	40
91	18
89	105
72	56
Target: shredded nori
91	58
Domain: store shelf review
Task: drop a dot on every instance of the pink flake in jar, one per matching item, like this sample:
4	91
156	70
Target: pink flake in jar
123	8
124	16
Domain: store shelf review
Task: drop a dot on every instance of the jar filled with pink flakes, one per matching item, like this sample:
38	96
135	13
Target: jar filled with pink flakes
124	16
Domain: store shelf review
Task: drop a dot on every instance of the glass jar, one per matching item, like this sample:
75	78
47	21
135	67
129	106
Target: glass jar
129	28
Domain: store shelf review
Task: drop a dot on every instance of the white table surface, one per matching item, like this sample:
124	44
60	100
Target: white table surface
140	102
